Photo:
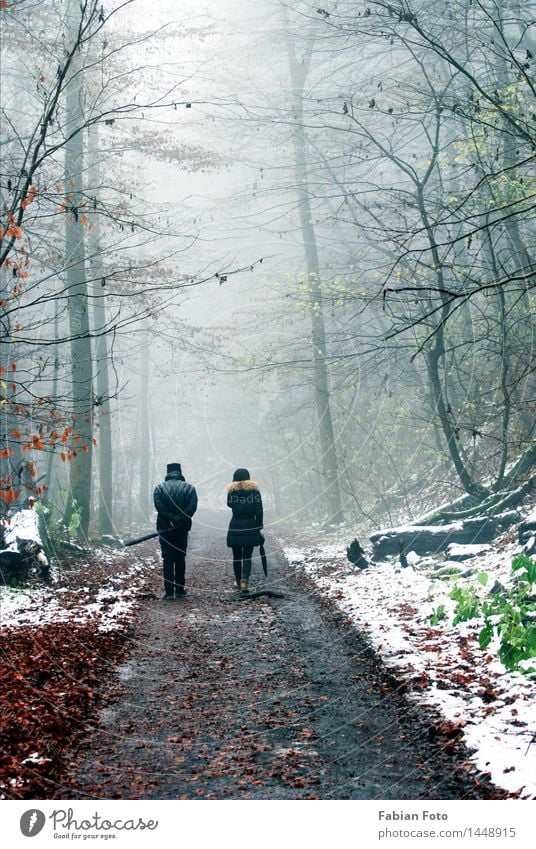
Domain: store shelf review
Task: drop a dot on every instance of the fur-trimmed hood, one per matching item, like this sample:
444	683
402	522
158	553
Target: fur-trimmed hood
236	485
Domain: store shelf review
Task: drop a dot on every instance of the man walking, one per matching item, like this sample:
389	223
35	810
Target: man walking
175	502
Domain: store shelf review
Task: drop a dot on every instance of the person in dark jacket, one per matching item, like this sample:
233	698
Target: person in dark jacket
175	502
244	499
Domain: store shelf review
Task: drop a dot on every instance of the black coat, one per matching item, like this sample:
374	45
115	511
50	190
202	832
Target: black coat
244	499
175	502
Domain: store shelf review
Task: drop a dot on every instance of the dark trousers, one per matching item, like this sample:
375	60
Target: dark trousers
173	546
242	562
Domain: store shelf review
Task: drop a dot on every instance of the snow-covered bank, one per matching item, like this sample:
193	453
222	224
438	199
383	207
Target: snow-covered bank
104	590
441	664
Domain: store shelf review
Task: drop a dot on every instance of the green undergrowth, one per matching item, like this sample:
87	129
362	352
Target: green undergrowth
508	613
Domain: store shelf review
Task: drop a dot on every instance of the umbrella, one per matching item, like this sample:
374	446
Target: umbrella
263	557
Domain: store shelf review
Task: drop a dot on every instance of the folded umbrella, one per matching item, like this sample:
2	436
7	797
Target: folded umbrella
263	557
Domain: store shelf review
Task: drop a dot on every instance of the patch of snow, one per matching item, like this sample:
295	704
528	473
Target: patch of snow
35	758
112	606
443	664
412	558
463	552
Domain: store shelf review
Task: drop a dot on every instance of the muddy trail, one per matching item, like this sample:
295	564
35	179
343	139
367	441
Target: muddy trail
264	698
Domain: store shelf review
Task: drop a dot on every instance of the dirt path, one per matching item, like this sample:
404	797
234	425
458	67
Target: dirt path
266	699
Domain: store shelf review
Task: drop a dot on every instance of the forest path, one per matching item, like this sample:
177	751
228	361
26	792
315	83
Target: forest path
224	698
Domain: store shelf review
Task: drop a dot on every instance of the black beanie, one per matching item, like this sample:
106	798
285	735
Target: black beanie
241	475
173	467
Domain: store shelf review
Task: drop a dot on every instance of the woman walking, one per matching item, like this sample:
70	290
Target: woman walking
244	499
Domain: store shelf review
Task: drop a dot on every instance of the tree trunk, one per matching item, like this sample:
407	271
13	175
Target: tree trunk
76	286
144	448
102	381
332	494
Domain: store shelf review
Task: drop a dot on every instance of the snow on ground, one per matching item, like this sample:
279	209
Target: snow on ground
105	592
441	664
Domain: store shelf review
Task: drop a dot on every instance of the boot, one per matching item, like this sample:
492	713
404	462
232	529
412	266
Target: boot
168	579
180	574
244	586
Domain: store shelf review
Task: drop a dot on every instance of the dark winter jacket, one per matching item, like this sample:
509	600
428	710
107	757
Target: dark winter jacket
175	502
244	499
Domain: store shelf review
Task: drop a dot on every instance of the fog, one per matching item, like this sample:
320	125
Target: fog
310	236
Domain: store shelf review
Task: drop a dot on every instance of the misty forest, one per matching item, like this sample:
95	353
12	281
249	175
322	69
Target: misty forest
299	241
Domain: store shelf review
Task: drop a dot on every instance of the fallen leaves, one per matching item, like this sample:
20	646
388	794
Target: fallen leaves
49	686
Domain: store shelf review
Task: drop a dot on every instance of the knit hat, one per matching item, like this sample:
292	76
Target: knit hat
241	475
173	467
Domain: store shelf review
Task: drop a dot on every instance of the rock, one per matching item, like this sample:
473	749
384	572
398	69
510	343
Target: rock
22	548
458	552
356	555
530	546
509	517
527	528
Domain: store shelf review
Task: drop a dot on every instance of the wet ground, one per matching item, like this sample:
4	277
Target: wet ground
226	698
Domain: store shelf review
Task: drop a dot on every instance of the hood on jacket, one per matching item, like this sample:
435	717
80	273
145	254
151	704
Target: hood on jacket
235	485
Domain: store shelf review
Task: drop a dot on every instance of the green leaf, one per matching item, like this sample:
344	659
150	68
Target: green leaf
486	635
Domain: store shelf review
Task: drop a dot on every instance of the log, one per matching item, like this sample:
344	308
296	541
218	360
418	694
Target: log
22	548
430	539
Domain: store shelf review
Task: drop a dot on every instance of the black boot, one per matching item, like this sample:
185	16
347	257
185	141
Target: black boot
180	575
168	578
